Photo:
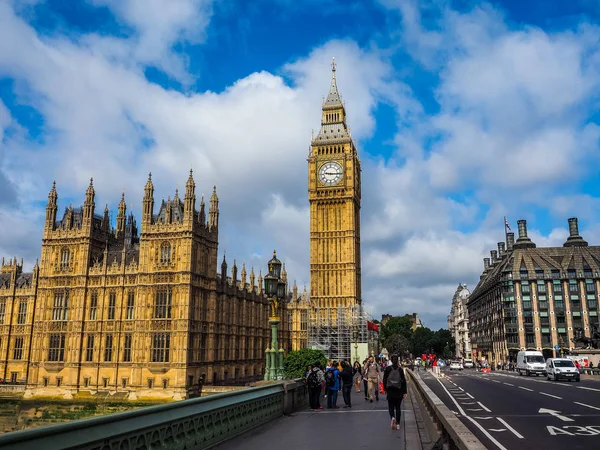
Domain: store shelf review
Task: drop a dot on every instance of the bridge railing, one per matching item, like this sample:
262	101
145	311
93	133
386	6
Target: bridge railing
198	423
453	434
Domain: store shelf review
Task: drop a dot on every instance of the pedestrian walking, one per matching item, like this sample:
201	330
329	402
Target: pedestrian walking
372	374
347	381
394	381
357	370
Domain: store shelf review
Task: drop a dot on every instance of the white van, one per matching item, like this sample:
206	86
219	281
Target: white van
557	368
531	362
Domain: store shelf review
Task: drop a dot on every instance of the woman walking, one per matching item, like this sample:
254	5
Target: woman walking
357	369
394	383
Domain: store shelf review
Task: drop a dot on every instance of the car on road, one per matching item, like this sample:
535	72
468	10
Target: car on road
561	368
456	365
531	362
468	364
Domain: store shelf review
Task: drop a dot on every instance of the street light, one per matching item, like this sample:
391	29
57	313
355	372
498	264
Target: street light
275	291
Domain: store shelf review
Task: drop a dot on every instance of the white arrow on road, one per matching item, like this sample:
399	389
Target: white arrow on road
555	414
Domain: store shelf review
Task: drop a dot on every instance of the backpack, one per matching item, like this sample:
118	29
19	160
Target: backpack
330	378
313	380
394	379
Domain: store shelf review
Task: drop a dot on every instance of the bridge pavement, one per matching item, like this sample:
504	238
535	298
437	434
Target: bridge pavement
364	426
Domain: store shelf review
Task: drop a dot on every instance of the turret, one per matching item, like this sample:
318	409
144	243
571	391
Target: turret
284	274
574	239
224	270
51	208
295	291
189	201
106	220
69	217
121	217
252	279
260	282
202	213
89	205
148	202
234	273
213	214
243	280
523	241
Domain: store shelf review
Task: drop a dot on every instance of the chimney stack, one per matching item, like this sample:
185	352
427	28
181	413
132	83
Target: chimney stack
523	241
501	250
494	255
486	264
574	240
510	241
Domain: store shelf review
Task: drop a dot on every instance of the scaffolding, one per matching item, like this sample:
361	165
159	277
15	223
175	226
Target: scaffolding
336	329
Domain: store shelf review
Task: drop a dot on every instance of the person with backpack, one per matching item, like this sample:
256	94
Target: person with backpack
332	381
313	383
347	380
394	382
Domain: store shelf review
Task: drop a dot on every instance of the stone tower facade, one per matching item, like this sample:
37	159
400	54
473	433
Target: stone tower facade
334	177
143	315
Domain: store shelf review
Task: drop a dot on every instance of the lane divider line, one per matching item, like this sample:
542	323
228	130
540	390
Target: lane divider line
588	388
515	432
589	406
550	395
525	389
473	421
508	384
470	395
484	407
461	389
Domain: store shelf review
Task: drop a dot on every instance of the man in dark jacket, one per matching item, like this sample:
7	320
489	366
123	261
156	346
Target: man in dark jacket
347	376
394	382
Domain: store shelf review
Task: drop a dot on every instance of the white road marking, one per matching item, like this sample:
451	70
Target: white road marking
525	389
484	407
508	384
497	429
555	414
468	403
550	395
461	389
483	418
588	388
589	406
496	381
470	395
477	424
515	432
474	409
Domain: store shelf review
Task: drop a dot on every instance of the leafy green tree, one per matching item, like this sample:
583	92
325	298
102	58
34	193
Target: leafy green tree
422	341
401	325
296	362
398	344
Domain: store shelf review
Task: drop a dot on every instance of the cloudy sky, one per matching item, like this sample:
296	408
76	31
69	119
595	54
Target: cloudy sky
464	112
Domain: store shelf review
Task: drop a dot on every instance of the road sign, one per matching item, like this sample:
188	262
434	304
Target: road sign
555	414
557	347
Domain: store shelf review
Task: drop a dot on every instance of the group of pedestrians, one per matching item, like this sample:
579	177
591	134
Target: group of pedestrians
373	374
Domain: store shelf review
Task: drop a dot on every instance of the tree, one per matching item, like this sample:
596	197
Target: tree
422	341
398	344
401	325
296	362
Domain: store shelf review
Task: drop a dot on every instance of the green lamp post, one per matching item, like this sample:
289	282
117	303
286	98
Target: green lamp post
275	291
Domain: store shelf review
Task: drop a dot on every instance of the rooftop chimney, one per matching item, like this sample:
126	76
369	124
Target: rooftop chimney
574	240
501	250
486	264
510	241
494	255
523	241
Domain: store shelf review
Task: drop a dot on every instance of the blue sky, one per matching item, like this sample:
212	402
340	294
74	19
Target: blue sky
464	112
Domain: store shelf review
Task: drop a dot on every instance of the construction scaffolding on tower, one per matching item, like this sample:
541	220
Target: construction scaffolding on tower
335	330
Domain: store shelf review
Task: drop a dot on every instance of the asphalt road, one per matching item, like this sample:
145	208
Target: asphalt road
511	412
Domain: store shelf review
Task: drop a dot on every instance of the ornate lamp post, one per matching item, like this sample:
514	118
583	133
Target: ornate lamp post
275	290
355	336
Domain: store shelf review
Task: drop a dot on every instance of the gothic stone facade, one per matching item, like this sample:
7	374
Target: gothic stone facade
458	321
148	315
534	298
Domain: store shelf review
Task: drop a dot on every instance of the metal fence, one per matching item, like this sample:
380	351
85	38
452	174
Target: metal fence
199	423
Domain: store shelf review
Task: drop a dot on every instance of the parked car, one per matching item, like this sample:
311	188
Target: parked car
441	363
456	365
561	368
468	364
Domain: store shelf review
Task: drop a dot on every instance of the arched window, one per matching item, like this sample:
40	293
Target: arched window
65	258
165	253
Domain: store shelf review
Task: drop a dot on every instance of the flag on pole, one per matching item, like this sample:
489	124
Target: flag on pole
506	224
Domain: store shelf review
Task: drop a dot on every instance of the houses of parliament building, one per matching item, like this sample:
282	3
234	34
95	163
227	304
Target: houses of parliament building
151	314
148	314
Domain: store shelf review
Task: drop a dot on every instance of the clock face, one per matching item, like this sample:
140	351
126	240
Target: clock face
330	173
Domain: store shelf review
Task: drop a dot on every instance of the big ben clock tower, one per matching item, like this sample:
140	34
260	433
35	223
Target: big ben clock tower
334	197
